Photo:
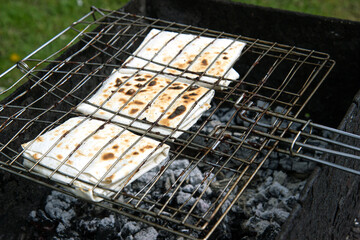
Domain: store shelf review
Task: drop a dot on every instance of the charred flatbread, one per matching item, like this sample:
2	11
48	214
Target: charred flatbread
162	103
95	152
173	53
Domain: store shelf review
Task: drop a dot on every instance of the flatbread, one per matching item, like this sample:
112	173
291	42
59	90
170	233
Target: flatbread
191	52
146	96
94	147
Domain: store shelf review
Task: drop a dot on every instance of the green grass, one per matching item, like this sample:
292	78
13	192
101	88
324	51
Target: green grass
27	24
344	9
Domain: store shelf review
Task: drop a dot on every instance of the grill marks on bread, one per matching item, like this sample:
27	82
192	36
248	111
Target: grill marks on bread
106	160
181	52
150	95
91	141
178	111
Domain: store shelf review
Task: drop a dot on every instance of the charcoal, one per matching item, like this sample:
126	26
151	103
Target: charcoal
269	233
146	234
261	196
266	215
58	207
171	177
145	178
208	190
227	115
262	225
278	190
102	228
38	215
268	179
180	164
266	207
61	228
290	201
259	212
211	125
183	197
273	201
225	205
286	163
196	176
299	166
279	177
162	234
262	104
188	188
296	186
281	215
167	183
202	206
271	163
255	224
130	228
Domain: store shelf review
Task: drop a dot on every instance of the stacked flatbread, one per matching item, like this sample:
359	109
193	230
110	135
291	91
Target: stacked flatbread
95	157
164	100
102	152
173	53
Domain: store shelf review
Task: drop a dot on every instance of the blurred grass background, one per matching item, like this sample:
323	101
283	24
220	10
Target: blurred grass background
27	24
345	9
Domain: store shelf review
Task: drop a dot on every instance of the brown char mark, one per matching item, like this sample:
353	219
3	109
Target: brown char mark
192	88
178	111
185	97
152	83
107	156
137	102
118	82
204	62
40	139
146	147
134	110
176	87
130	92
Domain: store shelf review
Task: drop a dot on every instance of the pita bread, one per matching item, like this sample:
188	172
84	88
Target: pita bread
211	56
94	147
166	101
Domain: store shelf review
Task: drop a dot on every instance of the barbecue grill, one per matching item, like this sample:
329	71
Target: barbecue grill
273	76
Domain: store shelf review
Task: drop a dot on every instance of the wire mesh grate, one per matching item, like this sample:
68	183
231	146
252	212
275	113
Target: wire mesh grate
272	76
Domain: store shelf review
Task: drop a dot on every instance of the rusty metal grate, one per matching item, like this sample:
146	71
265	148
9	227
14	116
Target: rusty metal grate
101	41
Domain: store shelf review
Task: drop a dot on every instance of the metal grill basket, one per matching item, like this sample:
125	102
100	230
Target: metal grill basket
50	87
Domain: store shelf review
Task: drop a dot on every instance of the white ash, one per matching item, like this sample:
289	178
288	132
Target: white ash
146	234
258	213
60	209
